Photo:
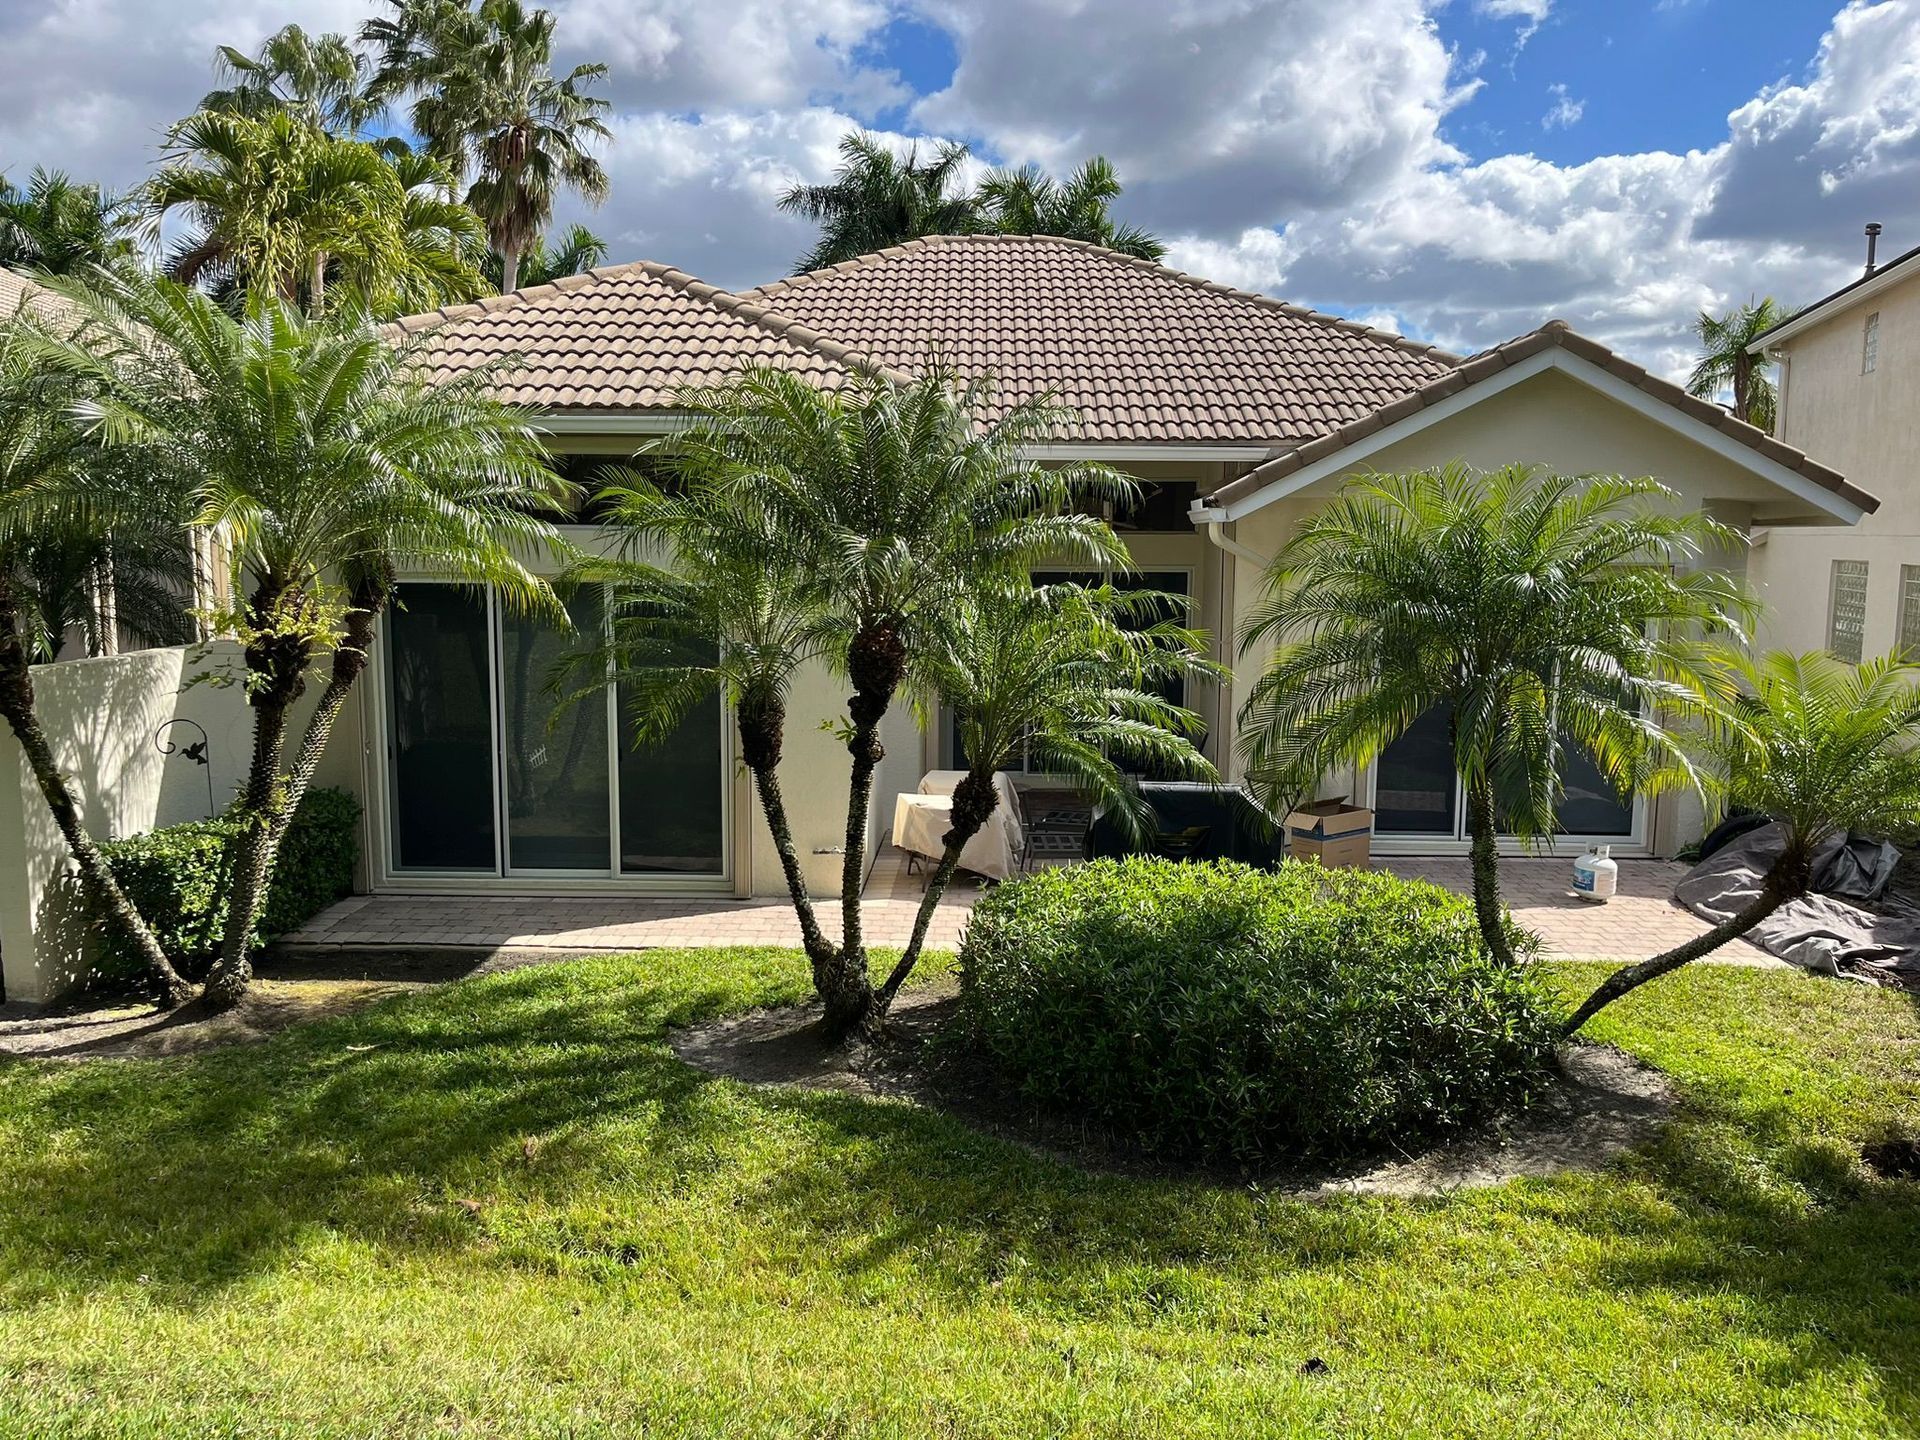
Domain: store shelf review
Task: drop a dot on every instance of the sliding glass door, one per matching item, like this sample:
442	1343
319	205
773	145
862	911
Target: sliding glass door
489	774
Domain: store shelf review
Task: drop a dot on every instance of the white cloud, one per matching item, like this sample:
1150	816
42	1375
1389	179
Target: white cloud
1565	110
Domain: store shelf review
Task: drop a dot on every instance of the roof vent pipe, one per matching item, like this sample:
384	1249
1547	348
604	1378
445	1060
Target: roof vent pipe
1873	241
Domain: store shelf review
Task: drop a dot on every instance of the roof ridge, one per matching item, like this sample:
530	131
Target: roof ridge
1554	334
1212	287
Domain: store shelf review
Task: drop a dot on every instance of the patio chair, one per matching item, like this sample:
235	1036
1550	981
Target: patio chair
1057	829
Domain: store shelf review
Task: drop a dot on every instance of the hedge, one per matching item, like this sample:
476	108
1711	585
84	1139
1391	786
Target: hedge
176	876
1218	1012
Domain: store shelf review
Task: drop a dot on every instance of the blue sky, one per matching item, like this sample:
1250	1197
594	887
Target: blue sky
1459	169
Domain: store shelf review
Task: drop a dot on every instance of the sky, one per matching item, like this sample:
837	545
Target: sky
1460	170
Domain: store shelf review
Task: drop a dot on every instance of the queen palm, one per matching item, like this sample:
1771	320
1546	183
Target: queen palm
1725	363
326	459
878	198
319	79
900	497
60	226
488	104
45	502
1538	611
733	614
1821	746
1071	677
1028	201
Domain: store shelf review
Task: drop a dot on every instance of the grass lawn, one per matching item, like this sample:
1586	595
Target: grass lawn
502	1208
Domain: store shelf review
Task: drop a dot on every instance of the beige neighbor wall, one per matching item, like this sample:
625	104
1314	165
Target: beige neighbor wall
1550	420
101	717
1867	426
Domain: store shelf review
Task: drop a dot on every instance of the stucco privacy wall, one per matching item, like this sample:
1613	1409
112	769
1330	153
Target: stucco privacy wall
1550	420
101	717
1866	425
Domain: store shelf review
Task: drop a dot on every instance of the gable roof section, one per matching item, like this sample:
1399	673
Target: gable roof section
1143	353
622	338
1491	371
1884	277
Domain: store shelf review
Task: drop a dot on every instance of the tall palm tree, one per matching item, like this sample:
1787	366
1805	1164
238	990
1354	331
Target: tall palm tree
44	501
327	460
732	612
576	250
1541	611
1028	201
63	227
487	102
901	498
319	79
1725	365
1821	746
1070	676
281	205
877	198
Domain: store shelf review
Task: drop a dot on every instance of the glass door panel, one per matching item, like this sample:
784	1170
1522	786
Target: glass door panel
673	798
440	736
554	770
1416	789
1590	805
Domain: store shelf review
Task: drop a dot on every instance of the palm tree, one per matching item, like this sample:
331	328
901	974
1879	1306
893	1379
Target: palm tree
62	227
1725	363
281	205
1069	676
733	613
319	79
1029	202
44	501
326	460
576	250
1821	746
877	198
59	590
486	101
1540	611
901	498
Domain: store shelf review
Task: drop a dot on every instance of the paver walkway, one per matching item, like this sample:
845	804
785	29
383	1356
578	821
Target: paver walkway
1640	921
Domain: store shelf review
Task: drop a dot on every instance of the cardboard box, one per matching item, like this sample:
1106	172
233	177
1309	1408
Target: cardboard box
1332	832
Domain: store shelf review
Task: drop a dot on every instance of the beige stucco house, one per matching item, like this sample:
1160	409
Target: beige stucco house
1238	413
1849	392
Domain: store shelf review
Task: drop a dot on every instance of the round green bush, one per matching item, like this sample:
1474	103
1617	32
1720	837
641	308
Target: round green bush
1224	1013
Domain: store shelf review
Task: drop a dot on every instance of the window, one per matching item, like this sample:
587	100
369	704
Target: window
1870	344
1910	611
1847	610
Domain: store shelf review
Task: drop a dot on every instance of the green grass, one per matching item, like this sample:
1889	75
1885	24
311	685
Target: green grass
271	1242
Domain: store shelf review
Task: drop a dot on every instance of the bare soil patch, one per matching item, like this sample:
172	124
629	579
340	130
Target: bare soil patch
119	1030
1603	1103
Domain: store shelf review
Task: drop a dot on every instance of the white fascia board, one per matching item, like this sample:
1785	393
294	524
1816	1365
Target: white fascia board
632	422
1588	374
1068	451
1831	309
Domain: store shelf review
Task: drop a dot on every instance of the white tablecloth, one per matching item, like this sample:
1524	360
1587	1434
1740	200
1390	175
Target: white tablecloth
921	822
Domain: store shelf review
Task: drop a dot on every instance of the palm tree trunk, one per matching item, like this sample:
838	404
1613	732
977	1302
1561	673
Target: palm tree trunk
276	666
762	723
16	702
509	268
1742	384
1485	856
1775	891
974	801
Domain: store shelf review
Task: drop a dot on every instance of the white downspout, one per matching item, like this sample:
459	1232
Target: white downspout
1216	531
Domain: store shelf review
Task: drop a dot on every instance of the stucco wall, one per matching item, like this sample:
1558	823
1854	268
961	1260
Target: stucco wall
1550	420
101	717
1867	426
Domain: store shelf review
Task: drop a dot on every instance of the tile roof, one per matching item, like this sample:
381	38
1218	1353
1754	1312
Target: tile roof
626	337
17	290
1487	364
1142	353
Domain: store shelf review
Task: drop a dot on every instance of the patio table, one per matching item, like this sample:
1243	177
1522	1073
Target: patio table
920	825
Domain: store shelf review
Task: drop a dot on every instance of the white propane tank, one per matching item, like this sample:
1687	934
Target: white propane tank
1595	875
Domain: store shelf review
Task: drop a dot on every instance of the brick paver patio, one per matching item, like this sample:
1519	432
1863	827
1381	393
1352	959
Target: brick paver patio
1641	920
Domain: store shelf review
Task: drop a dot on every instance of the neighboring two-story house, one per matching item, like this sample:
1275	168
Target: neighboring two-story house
1849	385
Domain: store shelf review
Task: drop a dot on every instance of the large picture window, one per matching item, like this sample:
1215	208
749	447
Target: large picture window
487	774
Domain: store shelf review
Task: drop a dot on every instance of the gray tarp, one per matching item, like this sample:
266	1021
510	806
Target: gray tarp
1851	925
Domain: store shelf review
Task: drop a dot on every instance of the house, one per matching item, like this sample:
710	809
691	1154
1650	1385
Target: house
1849	391
1237	412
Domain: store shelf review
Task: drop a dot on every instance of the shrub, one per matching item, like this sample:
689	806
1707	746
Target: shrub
1220	1012
177	877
